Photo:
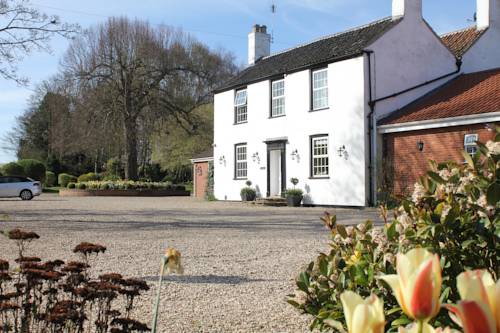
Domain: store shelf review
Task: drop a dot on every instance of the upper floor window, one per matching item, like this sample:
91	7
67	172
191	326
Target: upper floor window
319	88
240	161
240	106
278	98
470	143
320	162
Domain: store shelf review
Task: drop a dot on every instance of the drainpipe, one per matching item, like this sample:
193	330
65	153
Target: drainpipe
372	103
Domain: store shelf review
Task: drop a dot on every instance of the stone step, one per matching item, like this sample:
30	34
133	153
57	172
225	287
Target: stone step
272	201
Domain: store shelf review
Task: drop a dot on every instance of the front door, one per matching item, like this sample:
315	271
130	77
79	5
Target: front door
276	169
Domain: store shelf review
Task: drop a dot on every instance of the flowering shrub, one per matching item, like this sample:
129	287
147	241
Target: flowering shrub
54	296
454	212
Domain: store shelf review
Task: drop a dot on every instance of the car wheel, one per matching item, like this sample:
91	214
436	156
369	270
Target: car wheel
26	195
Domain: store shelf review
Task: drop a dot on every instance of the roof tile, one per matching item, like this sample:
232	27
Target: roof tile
461	41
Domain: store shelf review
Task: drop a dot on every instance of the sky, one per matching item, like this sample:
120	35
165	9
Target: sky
219	24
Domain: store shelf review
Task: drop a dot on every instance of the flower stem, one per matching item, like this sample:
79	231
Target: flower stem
420	326
158	294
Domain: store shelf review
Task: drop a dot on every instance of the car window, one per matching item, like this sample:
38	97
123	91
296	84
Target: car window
17	180
4	180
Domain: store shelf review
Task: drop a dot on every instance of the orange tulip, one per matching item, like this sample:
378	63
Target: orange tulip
417	286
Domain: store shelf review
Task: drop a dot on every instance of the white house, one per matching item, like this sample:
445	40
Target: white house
311	112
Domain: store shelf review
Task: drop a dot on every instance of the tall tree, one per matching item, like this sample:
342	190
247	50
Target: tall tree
24	29
134	73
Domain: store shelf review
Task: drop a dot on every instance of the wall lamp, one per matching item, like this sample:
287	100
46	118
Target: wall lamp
256	157
420	145
343	152
295	154
222	160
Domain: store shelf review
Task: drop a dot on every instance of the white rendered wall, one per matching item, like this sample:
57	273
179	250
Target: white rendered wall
408	55
344	122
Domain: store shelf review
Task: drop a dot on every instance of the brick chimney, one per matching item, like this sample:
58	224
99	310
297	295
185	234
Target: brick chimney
259	44
411	9
488	13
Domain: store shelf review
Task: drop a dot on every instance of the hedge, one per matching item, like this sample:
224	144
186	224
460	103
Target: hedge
50	179
65	178
87	177
13	169
33	169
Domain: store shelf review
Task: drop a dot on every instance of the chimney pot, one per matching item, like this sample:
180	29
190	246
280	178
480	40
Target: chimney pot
407	8
488	13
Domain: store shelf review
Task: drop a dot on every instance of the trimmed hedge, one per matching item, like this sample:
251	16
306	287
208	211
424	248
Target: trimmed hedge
87	177
64	179
13	169
33	169
50	179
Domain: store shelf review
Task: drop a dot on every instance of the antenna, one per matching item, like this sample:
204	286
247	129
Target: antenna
474	19
274	8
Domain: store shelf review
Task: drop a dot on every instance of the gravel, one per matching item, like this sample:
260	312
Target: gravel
240	260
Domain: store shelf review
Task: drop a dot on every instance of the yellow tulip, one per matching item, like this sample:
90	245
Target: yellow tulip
363	315
417	286
479	310
426	328
173	261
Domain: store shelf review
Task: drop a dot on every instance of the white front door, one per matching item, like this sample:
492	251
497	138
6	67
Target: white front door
275	173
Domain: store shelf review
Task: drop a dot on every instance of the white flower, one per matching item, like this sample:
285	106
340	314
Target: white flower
493	147
445	174
418	193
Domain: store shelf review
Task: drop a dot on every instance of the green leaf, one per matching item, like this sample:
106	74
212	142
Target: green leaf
342	231
493	194
293	303
401	322
435	177
469	160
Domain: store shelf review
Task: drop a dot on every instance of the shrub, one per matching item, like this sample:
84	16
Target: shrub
71	185
88	177
294	192
33	169
58	296
111	177
105	186
63	179
50	179
248	194
81	186
454	212
13	169
114	166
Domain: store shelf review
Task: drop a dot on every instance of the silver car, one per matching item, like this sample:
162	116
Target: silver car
22	187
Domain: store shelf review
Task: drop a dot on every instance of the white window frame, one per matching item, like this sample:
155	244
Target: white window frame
315	89
240	161
322	168
240	106
470	143
277	101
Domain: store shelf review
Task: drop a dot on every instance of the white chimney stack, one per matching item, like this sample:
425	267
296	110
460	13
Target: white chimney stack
488	13
259	44
407	8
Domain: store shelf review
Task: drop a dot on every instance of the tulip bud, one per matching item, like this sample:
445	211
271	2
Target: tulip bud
363	315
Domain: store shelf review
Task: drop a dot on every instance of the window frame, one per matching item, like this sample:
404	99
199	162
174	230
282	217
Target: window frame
238	107
236	161
312	139
312	89
471	145
272	98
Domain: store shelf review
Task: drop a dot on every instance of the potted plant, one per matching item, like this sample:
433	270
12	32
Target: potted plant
294	196
248	193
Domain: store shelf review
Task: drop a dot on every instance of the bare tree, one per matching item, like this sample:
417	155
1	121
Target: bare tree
135	73
24	29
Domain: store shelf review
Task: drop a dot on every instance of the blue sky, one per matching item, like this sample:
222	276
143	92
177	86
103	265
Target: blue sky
220	24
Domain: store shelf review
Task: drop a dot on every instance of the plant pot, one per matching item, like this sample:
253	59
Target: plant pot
294	200
248	196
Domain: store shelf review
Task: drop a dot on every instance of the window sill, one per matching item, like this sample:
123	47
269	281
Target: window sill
322	109
272	117
325	177
240	178
243	122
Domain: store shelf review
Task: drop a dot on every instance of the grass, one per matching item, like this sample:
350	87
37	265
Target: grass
54	189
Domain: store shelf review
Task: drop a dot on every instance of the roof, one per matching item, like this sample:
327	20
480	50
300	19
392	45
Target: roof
207	154
461	41
468	94
327	49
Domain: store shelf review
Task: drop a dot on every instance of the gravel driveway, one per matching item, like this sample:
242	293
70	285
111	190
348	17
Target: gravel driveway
240	260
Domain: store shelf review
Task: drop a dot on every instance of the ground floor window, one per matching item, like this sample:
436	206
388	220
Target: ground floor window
320	163
470	143
240	161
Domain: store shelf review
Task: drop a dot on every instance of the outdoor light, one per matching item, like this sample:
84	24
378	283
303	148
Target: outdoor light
295	154
255	157
341	151
420	145
222	160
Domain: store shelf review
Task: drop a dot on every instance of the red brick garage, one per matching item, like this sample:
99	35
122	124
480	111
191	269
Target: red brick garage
201	163
436	127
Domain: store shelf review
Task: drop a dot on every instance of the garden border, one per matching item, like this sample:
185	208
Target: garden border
122	193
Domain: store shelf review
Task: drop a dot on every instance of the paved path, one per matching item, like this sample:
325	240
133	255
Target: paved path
240	260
